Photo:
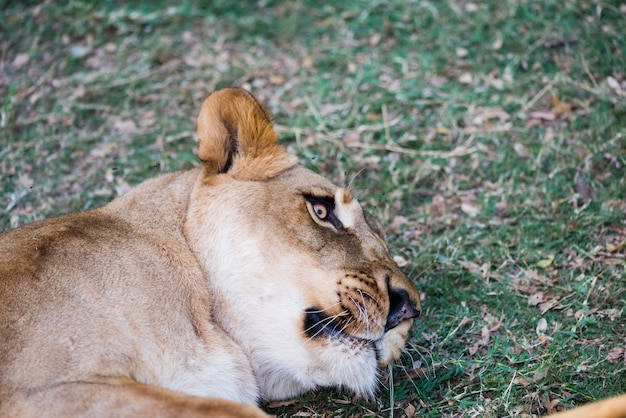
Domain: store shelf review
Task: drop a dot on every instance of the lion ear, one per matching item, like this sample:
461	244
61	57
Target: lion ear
236	136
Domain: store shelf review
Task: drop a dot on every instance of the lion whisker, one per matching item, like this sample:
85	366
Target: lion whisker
363	316
325	322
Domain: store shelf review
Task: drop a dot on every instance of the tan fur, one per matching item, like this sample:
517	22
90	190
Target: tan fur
608	408
199	293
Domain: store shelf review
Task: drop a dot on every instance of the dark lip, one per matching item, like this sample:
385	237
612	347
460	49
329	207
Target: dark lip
317	323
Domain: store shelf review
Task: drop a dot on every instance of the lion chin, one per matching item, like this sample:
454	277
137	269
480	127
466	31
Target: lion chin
202	292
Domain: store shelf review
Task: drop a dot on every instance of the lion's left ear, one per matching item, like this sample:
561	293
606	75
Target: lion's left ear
236	136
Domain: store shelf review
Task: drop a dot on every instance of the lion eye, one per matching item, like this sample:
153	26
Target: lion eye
320	210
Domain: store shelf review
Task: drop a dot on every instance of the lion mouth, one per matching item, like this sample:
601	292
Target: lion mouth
318	323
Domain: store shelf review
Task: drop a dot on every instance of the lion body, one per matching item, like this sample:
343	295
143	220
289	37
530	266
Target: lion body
201	292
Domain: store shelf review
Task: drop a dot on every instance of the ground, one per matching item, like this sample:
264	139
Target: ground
489	136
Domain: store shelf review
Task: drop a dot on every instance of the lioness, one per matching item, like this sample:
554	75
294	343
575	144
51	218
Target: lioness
201	292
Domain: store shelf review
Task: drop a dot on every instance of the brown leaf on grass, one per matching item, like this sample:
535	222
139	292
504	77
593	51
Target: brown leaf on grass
542	326
417	371
613	261
437	81
611	314
521	381
396	224
610	247
497	43
540	118
535	299
277	80
475	268
471	210
560	108
24	181
400	261
546	306
551	404
485	114
615	354
438	206
351	138
561	42
20	60
521	150
125	127
466	78
485	335
278	404
473	349
584	189
147	119
523	285
615	86
409	410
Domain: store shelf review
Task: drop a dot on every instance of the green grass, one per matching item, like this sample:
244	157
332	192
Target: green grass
491	135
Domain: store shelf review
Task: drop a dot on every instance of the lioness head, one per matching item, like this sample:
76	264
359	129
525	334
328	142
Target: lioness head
300	275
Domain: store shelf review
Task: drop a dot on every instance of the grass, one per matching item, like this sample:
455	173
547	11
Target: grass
488	136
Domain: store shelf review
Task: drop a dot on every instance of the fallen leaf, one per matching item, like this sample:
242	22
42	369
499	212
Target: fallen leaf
79	51
148	119
400	261
110	47
521	150
466	78
473	349
615	354
485	334
543	115
546	262
535	299
497	43
25	181
485	114
127	127
584	189
612	247
20	60
277	80
470	210
396	224
613	261
351	138
278	404
559	107
542	326
461	52
612	314
545	307
437	81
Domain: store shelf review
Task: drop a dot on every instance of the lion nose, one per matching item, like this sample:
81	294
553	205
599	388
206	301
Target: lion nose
400	308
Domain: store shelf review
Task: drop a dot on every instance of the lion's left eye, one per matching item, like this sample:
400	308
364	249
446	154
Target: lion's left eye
321	210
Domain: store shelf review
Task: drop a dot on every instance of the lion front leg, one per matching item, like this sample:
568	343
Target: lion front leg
118	397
